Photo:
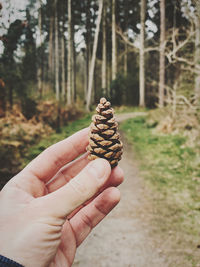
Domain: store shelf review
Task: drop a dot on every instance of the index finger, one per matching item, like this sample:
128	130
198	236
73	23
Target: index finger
47	164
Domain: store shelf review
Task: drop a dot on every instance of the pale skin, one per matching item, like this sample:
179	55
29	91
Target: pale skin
44	220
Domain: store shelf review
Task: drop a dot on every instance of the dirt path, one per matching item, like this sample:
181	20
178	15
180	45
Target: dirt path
123	239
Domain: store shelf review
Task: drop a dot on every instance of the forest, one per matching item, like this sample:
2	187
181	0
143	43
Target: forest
58	58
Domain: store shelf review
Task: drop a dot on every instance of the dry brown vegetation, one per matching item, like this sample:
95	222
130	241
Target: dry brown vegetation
18	133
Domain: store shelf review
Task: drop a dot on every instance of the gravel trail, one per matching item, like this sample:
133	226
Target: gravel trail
124	238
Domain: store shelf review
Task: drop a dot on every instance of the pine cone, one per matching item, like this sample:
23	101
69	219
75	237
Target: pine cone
104	138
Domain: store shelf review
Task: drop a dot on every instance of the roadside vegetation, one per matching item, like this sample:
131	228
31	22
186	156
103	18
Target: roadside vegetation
170	164
63	133
24	138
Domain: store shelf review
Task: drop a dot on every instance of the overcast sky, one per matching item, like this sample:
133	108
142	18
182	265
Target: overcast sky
14	13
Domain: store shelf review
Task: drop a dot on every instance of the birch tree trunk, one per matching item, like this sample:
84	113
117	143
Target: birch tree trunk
114	43
142	59
92	65
39	70
73	62
162	54
69	55
87	53
104	52
197	49
57	85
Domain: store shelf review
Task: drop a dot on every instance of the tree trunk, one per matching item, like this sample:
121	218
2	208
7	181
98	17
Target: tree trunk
95	85
63	55
125	59
197	50
114	43
56	55
39	70
104	52
87	53
73	82
85	77
162	54
50	58
63	64
11	96
69	55
74	71
109	79
126	13
91	73
142	58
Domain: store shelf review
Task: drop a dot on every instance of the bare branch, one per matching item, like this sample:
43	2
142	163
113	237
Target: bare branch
150	49
125	39
135	48
173	97
191	69
172	55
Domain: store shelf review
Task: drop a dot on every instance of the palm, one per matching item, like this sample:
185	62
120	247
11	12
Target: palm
67	248
51	205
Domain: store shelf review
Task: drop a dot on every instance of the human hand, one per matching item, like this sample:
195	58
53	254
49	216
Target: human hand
44	220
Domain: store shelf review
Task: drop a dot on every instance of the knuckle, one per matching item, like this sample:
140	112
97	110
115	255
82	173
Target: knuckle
86	219
78	186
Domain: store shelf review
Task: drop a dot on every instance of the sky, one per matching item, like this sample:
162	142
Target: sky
15	6
12	10
15	12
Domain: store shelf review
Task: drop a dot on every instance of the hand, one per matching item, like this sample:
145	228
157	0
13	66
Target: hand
49	208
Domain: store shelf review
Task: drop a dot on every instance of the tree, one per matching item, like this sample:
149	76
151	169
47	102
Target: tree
73	56
51	56
142	52
63	55
92	66
197	48
39	72
9	66
28	67
162	54
104	52
56	53
87	42
69	55
114	42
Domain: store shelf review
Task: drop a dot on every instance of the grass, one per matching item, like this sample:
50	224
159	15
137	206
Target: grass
171	170
65	132
127	109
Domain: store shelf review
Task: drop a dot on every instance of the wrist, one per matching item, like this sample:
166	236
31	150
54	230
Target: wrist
6	262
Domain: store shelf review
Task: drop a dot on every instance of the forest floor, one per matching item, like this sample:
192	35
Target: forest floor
131	236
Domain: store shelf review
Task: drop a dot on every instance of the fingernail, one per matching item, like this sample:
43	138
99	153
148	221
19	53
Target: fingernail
98	168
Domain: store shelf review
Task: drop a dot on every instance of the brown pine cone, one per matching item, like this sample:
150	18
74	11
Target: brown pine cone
103	137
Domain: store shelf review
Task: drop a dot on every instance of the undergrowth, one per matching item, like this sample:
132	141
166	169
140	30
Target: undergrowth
64	132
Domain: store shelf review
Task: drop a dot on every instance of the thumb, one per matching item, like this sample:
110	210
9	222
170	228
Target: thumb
82	187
